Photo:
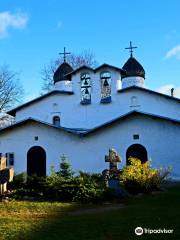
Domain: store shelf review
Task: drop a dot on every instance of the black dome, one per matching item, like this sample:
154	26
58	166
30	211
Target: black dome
133	68
62	70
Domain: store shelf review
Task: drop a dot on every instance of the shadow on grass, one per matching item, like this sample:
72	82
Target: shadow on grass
152	211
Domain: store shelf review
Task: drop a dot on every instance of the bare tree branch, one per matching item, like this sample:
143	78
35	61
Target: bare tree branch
6	120
10	89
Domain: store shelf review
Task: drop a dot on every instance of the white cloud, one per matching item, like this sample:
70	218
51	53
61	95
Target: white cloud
174	52
166	89
9	20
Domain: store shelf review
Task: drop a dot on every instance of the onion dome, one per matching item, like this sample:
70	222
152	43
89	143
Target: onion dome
62	71
133	68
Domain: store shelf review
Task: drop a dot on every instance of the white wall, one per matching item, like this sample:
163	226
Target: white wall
132	81
161	139
75	115
64	85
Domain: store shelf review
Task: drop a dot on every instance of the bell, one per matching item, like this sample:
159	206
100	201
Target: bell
106	84
85	82
86	91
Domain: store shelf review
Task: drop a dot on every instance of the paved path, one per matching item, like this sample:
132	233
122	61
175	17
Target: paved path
96	210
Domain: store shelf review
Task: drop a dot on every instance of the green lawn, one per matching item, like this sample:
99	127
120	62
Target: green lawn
28	220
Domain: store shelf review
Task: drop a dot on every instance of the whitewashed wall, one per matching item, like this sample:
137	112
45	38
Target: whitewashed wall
161	139
132	81
75	115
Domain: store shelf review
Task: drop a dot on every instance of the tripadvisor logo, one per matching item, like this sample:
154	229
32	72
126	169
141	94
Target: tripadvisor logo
139	230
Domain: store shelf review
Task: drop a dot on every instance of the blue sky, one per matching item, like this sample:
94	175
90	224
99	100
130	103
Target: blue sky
33	32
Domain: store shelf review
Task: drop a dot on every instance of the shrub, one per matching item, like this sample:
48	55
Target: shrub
65	168
90	188
83	188
59	188
18	181
140	177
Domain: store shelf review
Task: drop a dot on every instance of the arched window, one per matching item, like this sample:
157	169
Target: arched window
56	121
105	87
85	88
134	101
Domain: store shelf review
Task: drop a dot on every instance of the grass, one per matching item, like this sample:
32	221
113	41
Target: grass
30	220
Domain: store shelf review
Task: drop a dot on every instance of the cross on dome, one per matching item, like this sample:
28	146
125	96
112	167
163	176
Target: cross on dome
64	53
130	48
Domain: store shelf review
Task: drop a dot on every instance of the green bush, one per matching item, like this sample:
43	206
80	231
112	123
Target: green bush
86	187
61	186
90	188
140	177
18	181
83	188
65	168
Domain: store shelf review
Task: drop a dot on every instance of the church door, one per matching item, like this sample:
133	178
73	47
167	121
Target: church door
36	161
136	151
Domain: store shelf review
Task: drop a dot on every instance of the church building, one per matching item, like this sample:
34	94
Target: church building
89	111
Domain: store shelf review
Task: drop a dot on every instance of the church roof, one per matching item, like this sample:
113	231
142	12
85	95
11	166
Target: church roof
84	132
76	131
133	68
104	65
149	91
84	67
62	71
127	115
12	112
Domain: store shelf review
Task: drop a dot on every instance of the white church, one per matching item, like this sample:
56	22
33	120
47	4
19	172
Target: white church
89	111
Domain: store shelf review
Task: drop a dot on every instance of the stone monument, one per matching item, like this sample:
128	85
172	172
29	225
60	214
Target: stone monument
113	172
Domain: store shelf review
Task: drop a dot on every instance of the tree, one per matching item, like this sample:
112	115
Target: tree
6	120
75	60
10	88
65	168
11	93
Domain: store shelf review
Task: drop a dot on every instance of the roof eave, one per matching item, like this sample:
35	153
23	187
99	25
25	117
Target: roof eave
78	69
150	91
110	66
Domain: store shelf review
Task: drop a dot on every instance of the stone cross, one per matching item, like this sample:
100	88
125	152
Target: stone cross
113	159
111	175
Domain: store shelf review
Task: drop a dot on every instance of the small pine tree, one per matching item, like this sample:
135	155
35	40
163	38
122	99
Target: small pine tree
65	168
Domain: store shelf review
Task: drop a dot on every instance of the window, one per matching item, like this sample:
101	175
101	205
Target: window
134	101
136	136
105	87
56	121
10	159
85	88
